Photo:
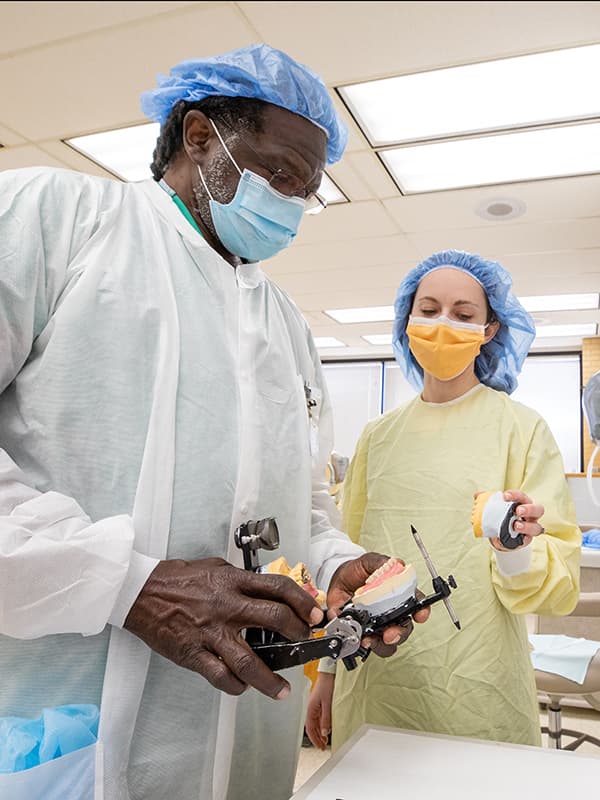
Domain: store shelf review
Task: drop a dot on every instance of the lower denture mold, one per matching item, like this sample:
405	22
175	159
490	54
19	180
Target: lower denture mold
388	587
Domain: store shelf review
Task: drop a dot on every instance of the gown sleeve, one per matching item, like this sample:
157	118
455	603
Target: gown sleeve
354	490
329	546
59	571
551	583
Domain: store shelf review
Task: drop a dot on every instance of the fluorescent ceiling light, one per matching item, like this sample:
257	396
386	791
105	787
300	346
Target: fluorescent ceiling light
330	191
585	329
482	161
378	338
327	341
372	314
127	153
560	302
511	92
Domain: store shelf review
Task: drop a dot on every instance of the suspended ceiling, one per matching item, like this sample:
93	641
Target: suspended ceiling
73	68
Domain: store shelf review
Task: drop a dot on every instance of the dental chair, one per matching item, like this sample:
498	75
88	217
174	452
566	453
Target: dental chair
557	687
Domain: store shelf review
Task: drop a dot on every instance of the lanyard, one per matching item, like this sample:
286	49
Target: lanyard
179	203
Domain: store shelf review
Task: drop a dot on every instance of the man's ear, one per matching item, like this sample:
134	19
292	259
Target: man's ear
491	331
198	134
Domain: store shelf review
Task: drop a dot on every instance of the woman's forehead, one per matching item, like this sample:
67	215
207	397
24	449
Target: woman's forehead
449	281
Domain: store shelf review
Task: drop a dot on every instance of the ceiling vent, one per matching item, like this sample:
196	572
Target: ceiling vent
501	208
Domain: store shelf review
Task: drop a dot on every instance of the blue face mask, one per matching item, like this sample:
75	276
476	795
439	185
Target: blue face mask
259	221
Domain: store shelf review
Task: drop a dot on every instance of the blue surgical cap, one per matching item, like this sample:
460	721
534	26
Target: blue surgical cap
258	71
500	360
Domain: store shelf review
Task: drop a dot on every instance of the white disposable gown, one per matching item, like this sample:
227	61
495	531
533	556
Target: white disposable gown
151	399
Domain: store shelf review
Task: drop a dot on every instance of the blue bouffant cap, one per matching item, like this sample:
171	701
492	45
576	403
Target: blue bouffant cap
500	360
259	72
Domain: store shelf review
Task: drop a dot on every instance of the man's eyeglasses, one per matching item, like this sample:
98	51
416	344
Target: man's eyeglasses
285	183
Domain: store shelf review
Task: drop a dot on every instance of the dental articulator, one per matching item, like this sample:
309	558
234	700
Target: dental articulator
389	597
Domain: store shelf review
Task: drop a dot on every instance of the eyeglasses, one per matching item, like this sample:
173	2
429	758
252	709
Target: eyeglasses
285	183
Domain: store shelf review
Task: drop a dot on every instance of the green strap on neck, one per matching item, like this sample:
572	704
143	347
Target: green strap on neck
185	211
180	204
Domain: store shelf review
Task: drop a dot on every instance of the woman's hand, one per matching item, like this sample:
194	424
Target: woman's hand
318	716
530	513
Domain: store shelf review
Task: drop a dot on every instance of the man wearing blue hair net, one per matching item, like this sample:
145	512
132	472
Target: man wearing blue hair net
460	337
157	391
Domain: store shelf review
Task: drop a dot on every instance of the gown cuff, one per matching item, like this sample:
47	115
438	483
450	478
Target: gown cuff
513	562
327	665
140	567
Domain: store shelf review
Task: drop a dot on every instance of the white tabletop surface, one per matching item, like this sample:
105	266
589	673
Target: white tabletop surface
387	764
590	557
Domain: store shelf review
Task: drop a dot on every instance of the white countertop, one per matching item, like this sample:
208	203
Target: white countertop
386	763
590	558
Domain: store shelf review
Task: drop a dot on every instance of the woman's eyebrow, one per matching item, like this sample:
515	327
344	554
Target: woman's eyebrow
466	303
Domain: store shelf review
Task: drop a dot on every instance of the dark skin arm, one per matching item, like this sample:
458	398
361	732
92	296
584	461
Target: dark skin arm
346	580
194	613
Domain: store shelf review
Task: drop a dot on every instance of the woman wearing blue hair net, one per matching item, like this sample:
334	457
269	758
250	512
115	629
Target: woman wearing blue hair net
461	337
157	391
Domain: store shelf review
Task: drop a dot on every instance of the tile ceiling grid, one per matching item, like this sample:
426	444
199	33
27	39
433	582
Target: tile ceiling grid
68	69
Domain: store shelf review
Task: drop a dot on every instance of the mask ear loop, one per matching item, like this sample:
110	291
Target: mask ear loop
232	159
204	183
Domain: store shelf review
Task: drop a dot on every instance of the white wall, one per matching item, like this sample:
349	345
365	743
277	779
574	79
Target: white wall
551	385
355	391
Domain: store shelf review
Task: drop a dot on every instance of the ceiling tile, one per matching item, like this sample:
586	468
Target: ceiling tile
73	159
358	278
311	298
9	138
517	238
347	221
564	199
27	156
367	252
96	81
371	170
36	23
357	41
349	181
559	264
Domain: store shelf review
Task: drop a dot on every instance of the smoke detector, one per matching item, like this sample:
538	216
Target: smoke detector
501	208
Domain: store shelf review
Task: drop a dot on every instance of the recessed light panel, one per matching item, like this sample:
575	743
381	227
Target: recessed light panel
372	314
505	158
127	153
378	338
559	302
327	341
550	331
512	92
330	191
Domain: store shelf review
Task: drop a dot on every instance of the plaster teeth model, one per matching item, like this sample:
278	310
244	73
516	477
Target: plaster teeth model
299	574
388	587
493	517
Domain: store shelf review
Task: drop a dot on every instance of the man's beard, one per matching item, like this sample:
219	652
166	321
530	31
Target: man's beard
218	179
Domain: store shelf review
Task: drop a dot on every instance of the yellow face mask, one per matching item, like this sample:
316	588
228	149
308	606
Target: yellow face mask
443	347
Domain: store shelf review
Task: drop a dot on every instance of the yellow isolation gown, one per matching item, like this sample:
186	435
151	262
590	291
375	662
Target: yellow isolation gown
421	464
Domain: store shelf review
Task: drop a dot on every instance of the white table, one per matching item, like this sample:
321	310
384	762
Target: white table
387	763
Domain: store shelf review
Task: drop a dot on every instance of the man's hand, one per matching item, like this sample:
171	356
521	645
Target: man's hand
194	613
346	580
